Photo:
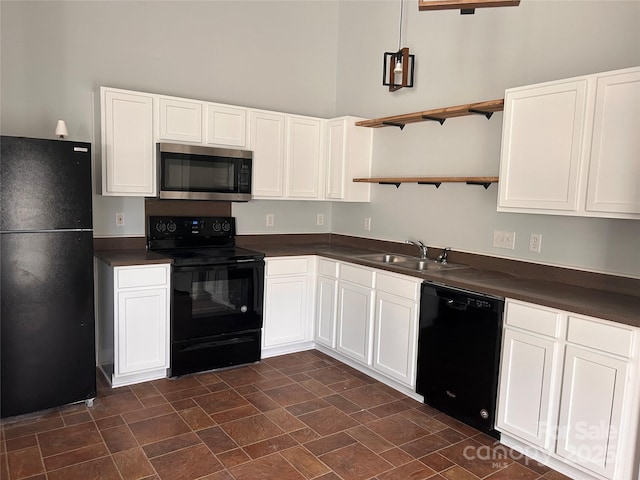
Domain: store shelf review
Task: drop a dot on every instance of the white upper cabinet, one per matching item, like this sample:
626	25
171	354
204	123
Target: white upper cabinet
226	125
304	155
180	120
614	171
128	149
348	156
267	143
570	147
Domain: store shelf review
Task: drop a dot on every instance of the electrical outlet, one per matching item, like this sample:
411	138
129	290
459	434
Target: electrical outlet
270	220
119	219
535	242
320	219
502	239
367	224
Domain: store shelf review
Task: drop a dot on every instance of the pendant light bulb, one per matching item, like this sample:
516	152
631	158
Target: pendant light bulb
398	69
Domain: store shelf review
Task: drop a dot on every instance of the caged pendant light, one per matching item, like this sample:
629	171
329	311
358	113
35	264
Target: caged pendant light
397	67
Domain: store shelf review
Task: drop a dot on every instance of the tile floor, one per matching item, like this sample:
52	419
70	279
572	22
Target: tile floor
298	416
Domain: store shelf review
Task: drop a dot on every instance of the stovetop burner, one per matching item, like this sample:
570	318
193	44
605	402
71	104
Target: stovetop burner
197	240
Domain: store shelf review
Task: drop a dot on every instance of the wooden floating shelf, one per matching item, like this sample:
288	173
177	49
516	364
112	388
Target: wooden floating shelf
436	181
425	5
439	114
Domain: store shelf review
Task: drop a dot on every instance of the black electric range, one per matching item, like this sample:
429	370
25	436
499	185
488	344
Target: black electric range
217	292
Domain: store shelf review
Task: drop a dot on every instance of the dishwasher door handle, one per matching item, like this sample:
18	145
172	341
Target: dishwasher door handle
455	305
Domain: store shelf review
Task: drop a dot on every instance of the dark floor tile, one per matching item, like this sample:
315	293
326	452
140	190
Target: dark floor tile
252	429
99	469
64	439
425	445
220	401
133	464
188	393
234	457
437	462
146	413
423	420
261	401
78	455
269	446
315	387
158	428
306	407
266	468
369	439
166	385
115	405
238	413
217	440
328	420
458	473
290	395
329	443
109	422
20	443
475	457
414	470
285	420
77	418
330	375
342	403
368	396
20	429
396	456
119	438
171	444
240	376
144	390
196	418
397	429
355	462
186	464
305	462
515	471
25	463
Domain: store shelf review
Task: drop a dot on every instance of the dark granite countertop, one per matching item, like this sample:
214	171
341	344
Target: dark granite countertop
608	305
136	256
620	305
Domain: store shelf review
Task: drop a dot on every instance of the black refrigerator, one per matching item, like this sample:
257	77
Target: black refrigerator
47	343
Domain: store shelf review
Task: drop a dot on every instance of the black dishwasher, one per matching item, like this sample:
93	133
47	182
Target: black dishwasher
459	353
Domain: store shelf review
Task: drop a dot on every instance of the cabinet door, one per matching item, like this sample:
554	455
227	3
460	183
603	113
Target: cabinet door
590	420
326	311
286	310
303	157
267	143
542	147
128	153
336	159
180	120
526	371
142	330
226	125
354	321
614	172
396	321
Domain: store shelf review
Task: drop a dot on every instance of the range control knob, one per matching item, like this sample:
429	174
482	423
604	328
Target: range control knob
160	226
216	226
226	226
171	227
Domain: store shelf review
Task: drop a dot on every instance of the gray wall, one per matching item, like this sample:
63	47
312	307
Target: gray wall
324	58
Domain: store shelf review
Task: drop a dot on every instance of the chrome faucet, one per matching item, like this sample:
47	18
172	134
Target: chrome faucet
443	257
421	246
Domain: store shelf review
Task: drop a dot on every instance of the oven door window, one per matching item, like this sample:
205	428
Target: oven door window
196	173
219	299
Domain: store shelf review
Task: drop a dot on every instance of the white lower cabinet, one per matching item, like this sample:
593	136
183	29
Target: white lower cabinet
570	391
288	306
132	310
326	302
376	320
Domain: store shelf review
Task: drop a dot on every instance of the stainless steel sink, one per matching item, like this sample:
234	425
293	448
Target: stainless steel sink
408	262
386	257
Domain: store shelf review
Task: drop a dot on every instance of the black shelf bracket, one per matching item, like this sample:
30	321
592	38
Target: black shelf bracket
481	112
435	119
437	184
486	185
397	184
394	124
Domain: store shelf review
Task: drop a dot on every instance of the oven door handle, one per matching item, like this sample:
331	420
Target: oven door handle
218	343
218	266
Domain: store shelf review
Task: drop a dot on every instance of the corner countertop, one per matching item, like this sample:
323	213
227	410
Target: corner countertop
621	307
616	307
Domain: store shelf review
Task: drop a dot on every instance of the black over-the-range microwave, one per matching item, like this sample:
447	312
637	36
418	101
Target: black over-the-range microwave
194	172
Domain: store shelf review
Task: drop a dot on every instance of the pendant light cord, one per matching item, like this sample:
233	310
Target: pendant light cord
400	36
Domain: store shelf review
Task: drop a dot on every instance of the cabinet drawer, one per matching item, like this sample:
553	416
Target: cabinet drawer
402	287
328	268
287	266
130	277
358	275
606	337
534	318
